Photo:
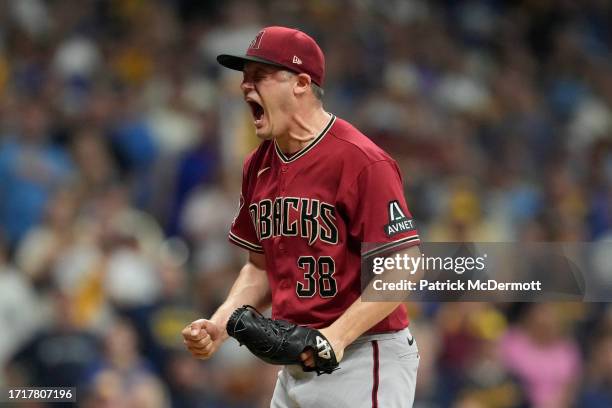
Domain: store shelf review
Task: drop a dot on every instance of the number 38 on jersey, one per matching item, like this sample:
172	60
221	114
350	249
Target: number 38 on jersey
318	277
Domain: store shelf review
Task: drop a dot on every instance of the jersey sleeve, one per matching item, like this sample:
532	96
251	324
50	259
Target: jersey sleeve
377	210
242	232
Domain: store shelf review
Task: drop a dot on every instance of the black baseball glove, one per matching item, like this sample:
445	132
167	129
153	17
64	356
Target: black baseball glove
280	342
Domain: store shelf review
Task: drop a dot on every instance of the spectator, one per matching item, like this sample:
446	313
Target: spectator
598	380
543	357
58	354
31	169
44	244
20	310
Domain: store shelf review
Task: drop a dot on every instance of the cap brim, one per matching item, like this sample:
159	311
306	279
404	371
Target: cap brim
237	62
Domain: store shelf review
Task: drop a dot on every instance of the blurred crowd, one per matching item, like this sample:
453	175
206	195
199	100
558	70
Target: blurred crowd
121	146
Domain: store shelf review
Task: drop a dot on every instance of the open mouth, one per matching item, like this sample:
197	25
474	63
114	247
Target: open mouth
256	110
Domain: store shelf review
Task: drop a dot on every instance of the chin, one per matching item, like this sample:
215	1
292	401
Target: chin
263	135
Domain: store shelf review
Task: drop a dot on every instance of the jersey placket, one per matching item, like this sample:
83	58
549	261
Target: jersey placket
282	189
284	281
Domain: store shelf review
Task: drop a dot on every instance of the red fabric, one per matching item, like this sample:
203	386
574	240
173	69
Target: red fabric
290	48
310	213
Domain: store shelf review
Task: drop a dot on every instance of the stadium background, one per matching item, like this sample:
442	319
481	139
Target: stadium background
121	144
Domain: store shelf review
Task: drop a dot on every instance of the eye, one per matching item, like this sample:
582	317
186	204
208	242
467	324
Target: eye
257	75
260	75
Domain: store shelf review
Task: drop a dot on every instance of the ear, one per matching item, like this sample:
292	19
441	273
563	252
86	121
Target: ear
302	84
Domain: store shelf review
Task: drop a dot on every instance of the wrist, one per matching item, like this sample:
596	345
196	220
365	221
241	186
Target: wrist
220	320
337	337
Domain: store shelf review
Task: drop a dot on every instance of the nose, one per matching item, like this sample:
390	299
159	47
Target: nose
246	86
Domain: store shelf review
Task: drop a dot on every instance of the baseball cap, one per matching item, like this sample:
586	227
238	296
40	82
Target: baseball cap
283	47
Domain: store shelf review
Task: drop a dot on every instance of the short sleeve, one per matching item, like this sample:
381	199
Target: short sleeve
242	232
377	209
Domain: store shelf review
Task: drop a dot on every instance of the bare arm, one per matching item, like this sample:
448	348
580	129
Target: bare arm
203	337
251	287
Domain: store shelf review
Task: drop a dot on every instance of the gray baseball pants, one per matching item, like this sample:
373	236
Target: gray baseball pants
377	371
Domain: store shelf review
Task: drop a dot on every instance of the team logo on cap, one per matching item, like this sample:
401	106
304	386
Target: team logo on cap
256	43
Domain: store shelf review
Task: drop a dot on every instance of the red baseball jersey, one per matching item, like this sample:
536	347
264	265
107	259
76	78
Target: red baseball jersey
310	212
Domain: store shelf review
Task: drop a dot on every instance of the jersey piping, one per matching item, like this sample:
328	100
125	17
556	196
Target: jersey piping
245	244
306	149
390	245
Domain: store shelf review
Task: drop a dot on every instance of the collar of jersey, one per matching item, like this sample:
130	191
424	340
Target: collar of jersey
306	149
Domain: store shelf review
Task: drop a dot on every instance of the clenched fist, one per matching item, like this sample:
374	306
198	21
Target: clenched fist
203	338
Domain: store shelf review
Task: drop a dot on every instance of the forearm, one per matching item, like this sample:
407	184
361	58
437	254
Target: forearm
251	287
359	318
363	315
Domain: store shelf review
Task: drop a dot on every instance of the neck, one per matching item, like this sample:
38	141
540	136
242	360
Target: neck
305	127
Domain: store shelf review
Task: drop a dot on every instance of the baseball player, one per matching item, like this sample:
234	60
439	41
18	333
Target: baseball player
312	192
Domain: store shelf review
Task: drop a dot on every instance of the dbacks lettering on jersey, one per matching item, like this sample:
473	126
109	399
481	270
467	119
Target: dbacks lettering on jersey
292	216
